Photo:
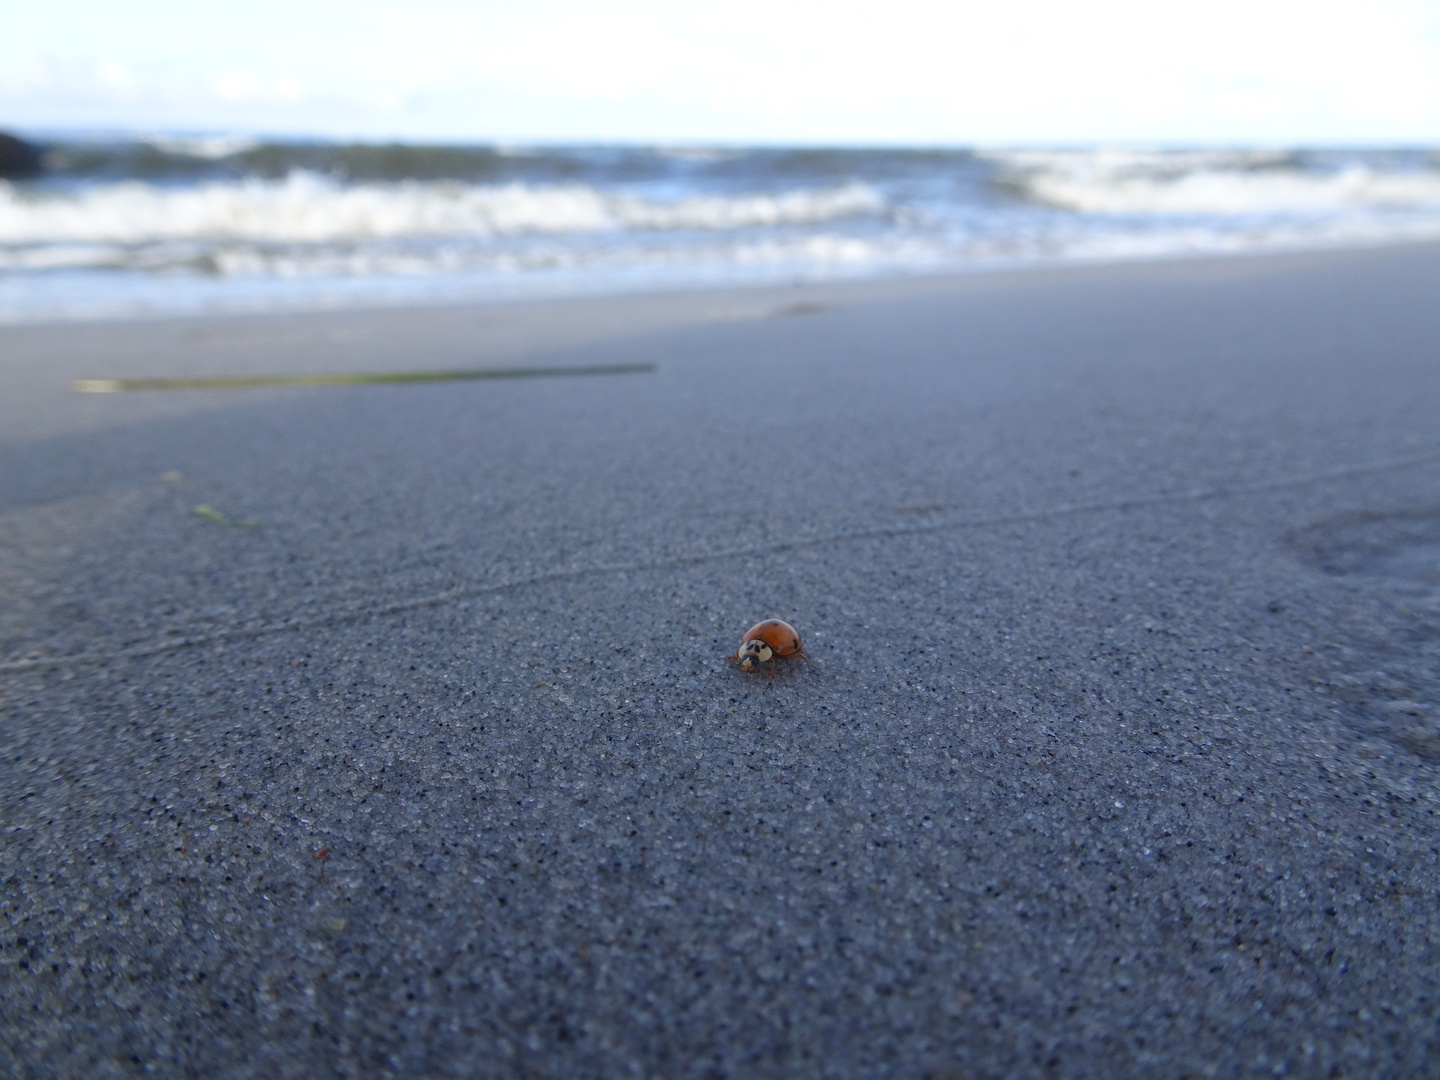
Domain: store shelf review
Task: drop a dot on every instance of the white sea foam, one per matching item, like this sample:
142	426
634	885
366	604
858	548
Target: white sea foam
307	208
547	221
208	147
1215	182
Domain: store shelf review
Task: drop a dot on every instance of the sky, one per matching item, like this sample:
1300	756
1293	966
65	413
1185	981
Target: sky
732	71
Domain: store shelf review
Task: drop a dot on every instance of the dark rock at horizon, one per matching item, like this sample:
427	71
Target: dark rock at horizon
19	160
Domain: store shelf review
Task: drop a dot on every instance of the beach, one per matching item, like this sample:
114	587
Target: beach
387	730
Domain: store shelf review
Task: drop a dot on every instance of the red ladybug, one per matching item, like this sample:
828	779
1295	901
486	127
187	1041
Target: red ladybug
766	641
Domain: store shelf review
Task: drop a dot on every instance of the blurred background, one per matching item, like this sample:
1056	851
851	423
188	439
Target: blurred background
167	157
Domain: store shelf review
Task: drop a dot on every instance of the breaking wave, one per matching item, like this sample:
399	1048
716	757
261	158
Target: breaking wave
1214	182
234	223
308	208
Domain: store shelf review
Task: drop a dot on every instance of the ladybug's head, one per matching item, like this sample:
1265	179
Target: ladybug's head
753	652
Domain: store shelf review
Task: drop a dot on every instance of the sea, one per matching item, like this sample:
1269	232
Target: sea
124	227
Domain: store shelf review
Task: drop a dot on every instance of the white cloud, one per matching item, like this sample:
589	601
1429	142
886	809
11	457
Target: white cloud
247	86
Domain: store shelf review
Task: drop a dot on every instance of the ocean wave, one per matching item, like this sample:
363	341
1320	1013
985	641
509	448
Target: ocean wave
243	260
194	279
308	208
229	223
661	256
205	147
232	157
1211	182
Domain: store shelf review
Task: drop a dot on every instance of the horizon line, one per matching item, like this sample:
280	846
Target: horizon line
143	134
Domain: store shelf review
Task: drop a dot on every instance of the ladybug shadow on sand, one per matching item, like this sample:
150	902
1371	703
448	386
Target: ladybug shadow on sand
771	640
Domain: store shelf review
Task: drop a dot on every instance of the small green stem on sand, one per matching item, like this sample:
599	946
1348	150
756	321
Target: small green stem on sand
356	378
210	514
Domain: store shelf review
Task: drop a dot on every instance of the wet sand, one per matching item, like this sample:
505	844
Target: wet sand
419	754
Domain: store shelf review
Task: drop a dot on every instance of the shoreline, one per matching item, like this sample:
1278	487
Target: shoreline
524	294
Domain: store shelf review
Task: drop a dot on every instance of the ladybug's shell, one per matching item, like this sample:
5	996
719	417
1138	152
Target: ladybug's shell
779	635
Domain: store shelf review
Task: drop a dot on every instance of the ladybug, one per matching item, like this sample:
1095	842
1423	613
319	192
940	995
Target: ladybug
768	640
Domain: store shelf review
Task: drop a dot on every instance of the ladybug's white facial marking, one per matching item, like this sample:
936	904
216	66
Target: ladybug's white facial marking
753	652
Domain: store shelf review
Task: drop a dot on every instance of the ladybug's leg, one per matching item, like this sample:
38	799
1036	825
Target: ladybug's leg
772	667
